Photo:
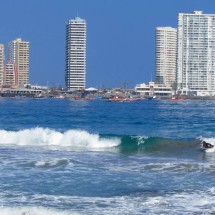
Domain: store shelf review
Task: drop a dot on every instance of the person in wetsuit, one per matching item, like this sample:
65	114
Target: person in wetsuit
207	145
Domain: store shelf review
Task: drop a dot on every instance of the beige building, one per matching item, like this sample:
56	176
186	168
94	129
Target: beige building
2	61
18	52
166	49
11	75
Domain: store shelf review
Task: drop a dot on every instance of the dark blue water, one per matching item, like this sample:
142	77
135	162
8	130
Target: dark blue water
97	157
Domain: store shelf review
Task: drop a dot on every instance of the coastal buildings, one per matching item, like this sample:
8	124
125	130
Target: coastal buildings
153	89
18	53
2	62
196	53
75	77
166	46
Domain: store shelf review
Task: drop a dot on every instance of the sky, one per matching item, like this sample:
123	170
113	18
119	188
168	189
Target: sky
120	36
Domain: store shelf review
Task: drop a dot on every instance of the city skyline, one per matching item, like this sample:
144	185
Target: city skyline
120	38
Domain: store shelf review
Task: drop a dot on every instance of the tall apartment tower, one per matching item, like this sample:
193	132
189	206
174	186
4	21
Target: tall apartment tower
2	62
166	46
196	53
75	54
18	52
11	75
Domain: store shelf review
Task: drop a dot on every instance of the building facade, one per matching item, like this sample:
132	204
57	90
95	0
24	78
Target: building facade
166	46
18	52
196	54
153	89
2	62
11	75
75	77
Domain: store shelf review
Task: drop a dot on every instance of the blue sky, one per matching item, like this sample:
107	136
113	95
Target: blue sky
120	35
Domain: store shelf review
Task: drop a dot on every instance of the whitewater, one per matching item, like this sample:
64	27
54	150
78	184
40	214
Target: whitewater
60	157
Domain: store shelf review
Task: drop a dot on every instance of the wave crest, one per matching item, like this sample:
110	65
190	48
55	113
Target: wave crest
49	137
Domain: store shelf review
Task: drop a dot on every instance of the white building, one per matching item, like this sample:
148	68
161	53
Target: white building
75	54
166	45
196	53
2	62
18	52
152	89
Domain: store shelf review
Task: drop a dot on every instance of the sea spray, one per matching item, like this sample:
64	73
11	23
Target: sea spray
49	137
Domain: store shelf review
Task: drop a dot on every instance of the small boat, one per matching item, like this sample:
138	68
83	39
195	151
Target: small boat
176	98
153	98
40	97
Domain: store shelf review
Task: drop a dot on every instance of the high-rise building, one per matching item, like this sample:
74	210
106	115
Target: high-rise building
18	52
166	46
75	54
11	75
2	62
196	53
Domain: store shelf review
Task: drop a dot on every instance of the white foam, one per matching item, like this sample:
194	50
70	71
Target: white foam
52	163
141	139
32	211
49	137
212	190
182	203
187	202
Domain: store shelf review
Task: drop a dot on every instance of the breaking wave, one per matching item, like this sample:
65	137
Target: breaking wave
157	145
49	137
85	140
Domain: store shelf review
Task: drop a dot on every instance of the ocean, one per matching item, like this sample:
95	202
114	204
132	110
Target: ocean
63	157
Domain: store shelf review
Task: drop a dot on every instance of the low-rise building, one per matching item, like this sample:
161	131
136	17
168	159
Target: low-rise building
153	89
21	91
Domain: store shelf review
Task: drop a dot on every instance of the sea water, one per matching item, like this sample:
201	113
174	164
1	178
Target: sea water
96	157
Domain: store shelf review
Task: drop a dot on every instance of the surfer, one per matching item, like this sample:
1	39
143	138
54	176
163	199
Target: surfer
207	145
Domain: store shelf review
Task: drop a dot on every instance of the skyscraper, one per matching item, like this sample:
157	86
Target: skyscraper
75	54
196	53
2	62
166	45
18	52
